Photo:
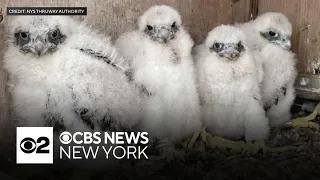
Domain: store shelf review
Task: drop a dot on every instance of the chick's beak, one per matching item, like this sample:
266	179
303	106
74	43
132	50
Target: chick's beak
230	53
39	46
164	34
286	44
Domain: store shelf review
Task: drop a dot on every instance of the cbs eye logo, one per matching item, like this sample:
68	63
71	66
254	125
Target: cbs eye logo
65	137
29	145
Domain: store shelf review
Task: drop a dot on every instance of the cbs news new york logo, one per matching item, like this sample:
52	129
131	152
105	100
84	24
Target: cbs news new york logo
34	145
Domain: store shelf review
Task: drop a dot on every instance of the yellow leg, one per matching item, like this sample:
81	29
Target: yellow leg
222	143
219	142
235	146
305	121
204	136
255	147
202	133
250	148
193	139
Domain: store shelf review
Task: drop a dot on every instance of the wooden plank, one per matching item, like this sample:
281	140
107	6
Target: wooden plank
254	9
199	16
207	14
309	43
303	15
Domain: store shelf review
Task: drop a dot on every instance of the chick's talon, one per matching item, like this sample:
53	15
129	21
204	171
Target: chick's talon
222	143
299	123
256	147
238	146
251	148
203	135
193	140
306	122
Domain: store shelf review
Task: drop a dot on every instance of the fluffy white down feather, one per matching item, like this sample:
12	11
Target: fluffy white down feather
172	111
57	83
229	90
278	65
70	75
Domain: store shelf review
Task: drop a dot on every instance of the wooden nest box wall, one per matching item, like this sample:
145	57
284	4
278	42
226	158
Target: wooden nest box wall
199	17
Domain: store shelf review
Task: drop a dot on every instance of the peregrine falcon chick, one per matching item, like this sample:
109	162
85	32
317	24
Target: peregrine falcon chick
269	35
159	53
57	78
229	86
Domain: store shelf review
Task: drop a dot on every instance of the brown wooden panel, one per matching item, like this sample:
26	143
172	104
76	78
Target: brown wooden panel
207	14
199	16
304	16
309	35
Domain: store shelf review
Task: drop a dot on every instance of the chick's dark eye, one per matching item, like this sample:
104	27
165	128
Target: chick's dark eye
173	25
217	45
272	34
149	27
55	34
24	35
240	47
